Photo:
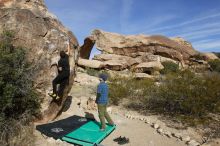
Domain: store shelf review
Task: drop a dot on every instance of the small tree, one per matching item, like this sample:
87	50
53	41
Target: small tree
169	67
16	92
217	54
215	65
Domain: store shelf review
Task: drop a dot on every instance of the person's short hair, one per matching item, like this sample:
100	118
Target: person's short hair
103	76
62	54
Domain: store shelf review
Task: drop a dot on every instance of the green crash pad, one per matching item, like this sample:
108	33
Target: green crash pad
88	134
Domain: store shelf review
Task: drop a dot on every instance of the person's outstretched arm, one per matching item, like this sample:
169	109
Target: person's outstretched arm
54	64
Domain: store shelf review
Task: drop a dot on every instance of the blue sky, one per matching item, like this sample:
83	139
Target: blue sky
197	21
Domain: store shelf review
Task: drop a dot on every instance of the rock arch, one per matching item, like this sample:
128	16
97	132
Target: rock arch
86	48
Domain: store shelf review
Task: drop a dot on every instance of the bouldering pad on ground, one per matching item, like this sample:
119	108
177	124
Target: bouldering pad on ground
76	130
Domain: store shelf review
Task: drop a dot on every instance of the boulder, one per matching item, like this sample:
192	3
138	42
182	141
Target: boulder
83	79
106	57
111	60
143	75
193	143
115	65
181	41
90	63
164	59
86	48
155	126
119	62
132	45
119	52
209	56
148	67
150	57
43	36
185	138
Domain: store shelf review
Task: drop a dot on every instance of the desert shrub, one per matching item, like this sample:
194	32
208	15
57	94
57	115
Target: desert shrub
199	56
92	72
106	73
215	65
217	54
95	72
187	94
117	90
17	96
169	67
131	88
16	132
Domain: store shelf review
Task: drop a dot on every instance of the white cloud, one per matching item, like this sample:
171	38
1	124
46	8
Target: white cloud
201	33
148	23
207	45
189	22
125	13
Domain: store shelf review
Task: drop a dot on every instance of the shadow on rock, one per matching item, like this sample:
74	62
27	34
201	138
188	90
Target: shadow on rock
66	106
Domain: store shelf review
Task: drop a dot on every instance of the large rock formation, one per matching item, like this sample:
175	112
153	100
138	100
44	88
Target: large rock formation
136	52
132	45
149	67
43	36
209	56
90	63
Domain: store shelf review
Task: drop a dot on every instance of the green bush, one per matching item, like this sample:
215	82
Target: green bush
121	87
186	94
217	54
92	72
169	67
199	56
16	132
215	65
95	72
17	96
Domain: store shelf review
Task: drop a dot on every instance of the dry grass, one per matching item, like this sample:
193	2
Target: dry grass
128	87
16	132
184	96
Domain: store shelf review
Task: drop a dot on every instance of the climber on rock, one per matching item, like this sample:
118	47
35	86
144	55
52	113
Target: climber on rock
63	74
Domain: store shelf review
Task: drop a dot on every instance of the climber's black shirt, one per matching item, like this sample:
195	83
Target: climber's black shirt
64	63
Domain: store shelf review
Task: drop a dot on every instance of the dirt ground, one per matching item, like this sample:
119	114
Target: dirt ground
138	132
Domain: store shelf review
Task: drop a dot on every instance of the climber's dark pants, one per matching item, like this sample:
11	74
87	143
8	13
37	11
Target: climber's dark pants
62	79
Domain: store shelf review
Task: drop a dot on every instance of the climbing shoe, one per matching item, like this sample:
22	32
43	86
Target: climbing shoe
102	130
57	97
121	140
117	139
53	95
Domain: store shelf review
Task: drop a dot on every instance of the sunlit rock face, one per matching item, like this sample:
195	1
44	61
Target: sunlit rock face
121	52
43	36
